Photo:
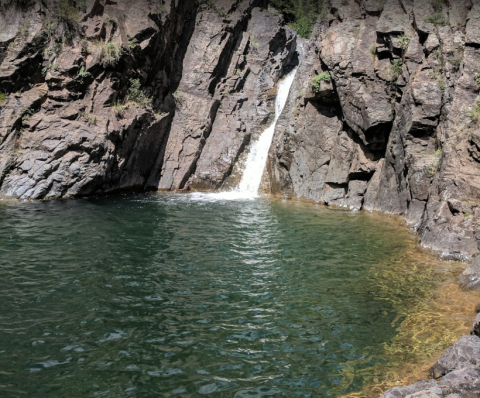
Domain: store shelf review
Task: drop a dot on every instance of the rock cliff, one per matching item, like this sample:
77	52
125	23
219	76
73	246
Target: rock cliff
390	122
133	95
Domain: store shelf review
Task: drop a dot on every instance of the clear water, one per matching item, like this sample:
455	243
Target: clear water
167	295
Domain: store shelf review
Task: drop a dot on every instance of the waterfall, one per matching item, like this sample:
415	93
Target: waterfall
255	163
257	157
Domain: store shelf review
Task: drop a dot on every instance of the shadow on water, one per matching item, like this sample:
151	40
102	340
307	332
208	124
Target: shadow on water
172	295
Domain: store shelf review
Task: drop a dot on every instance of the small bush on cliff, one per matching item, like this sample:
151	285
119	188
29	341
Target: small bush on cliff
404	41
316	81
476	78
110	53
178	96
437	18
475	112
82	74
3	97
301	15
396	69
137	94
373	51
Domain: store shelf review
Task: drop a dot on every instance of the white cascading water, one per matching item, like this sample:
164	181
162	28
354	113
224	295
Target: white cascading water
257	157
255	163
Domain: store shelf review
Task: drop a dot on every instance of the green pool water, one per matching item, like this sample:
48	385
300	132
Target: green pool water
182	295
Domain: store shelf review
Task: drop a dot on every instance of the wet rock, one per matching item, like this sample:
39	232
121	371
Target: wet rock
470	278
476	327
465	353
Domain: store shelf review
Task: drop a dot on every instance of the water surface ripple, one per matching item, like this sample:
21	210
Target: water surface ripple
162	295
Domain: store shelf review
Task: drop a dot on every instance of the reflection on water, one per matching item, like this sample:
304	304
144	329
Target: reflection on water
180	295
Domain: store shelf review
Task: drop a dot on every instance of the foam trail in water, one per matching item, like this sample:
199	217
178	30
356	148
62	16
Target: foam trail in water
257	157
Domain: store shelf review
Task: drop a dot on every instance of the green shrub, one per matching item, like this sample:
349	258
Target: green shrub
404	41
396	69
316	81
111	21
475	112
119	108
132	43
455	60
438	152
63	24
441	83
137	94
27	115
179	97
67	12
301	15
373	50
110	53
437	18
3	97
476	78
90	118
82	74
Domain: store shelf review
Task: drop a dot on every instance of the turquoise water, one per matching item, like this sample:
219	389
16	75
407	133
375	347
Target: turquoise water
166	295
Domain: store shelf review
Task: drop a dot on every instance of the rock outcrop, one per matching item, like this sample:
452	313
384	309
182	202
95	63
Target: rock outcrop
143	95
459	370
392	126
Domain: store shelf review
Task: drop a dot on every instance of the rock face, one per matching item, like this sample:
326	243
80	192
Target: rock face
392	127
71	125
459	369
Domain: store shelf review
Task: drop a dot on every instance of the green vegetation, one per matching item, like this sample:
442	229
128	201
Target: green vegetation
396	69
27	115
135	95
441	83
438	152
3	97
82	74
110	53
25	30
178	96
404	41
118	108
475	112
111	21
63	24
301	15
316	81
132	43
476	78
439	78
90	118
373	50
437	18
455	59
437	54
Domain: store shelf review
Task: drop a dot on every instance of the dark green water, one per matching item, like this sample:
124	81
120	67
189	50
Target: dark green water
161	295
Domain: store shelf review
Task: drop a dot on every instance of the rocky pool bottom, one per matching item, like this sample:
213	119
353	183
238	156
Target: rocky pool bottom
185	295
